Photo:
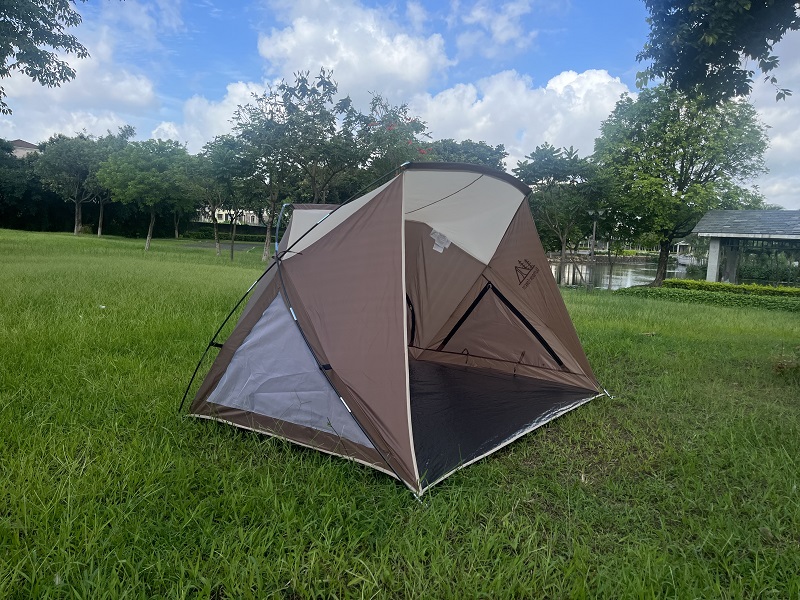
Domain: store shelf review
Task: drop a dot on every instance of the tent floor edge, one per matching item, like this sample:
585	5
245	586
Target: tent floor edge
511	440
261	431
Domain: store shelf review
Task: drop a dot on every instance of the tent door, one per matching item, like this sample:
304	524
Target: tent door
512	317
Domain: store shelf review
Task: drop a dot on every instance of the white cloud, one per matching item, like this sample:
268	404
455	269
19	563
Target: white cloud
204	119
507	108
416	14
367	51
493	31
103	96
782	184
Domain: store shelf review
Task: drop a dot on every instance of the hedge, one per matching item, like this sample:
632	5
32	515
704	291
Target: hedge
748	288
727	299
202	234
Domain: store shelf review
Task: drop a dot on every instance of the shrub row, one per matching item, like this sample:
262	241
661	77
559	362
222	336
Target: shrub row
202	234
727	299
748	288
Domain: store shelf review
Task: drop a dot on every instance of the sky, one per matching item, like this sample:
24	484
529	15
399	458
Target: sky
517	72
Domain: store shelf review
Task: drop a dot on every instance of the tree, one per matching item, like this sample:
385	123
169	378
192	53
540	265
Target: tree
66	166
698	46
69	165
27	29
673	158
266	158
562	192
24	203
467	151
106	146
152	174
320	133
392	136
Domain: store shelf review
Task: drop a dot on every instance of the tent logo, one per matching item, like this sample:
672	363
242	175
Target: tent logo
526	272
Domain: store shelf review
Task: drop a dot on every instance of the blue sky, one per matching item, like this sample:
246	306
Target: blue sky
517	72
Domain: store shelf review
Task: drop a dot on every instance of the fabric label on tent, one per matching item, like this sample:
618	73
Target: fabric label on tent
440	241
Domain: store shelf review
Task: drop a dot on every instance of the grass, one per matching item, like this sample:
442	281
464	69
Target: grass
685	484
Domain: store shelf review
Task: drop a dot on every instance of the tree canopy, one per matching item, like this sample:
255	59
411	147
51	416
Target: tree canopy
699	46
467	151
152	174
32	34
672	159
564	189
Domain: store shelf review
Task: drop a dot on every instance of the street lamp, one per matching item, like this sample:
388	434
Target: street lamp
595	214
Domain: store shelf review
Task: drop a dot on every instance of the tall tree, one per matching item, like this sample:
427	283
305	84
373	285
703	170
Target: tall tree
392	136
266	158
32	34
467	151
106	146
307	123
701	46
152	174
67	166
674	158
24	203
562	184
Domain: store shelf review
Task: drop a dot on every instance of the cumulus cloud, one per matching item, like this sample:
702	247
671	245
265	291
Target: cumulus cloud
366	50
507	108
782	184
103	96
204	119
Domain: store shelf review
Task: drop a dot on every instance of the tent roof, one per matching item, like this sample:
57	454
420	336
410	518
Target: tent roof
469	205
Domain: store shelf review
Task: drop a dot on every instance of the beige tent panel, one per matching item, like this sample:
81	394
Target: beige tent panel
471	209
304	217
335	219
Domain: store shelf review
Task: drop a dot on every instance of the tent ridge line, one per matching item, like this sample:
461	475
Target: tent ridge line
445	197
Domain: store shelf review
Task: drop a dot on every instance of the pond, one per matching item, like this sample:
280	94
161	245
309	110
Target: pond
622	275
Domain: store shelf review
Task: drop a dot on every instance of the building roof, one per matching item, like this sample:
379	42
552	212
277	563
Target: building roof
23	144
750	224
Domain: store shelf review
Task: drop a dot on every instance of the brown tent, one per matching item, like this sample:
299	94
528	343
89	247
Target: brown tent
415	329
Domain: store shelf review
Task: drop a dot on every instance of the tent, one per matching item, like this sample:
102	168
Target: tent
415	329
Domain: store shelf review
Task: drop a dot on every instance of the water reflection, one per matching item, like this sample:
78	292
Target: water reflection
622	274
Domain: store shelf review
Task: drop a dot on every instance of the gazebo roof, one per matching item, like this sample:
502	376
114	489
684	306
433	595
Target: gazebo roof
750	224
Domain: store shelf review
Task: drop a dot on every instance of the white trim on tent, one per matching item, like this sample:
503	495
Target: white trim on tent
291	441
418	491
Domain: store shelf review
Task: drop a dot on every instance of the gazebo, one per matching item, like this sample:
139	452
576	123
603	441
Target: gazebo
736	231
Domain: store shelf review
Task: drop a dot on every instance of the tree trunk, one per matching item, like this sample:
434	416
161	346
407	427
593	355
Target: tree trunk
663	257
216	231
177	221
267	237
78	223
100	220
233	235
561	260
150	228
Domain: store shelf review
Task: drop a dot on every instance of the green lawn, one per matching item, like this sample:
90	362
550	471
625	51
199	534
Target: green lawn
686	484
